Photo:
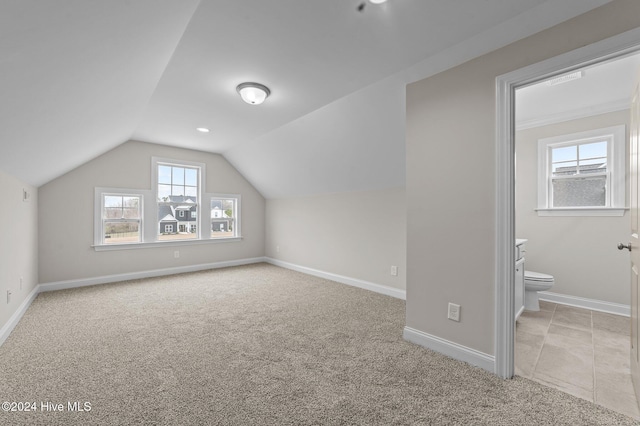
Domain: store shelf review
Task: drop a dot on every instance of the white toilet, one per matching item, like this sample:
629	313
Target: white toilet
533	283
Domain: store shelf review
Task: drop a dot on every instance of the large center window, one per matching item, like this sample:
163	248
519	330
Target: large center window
178	197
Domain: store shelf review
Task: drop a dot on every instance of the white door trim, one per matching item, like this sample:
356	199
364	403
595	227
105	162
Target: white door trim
620	45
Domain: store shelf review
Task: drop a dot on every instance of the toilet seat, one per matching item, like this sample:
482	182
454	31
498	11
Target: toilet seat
537	277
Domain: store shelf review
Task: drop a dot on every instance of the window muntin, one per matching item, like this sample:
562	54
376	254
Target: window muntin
121	219
178	194
582	172
579	175
152	227
224	217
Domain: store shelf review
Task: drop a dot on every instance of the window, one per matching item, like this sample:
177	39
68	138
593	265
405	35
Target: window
169	212
225	222
120	218
178	192
582	173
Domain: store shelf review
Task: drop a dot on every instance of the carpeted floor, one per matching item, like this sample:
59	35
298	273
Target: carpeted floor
252	345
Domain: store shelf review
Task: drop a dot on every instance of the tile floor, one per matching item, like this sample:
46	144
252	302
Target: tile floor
581	352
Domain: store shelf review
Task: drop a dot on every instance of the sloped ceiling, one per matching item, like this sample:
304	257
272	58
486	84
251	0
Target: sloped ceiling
83	76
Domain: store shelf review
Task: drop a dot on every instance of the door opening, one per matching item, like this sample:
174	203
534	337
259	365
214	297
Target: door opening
606	50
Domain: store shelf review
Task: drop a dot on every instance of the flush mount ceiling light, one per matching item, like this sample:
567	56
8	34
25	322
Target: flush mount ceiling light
253	93
377	1
202	129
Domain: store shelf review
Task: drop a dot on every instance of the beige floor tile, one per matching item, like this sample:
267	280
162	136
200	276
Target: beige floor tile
609	340
583	353
611	360
566	387
566	366
547	306
615	391
611	323
568	337
572	317
527	350
534	322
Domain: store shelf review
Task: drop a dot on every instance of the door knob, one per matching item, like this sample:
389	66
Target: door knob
624	246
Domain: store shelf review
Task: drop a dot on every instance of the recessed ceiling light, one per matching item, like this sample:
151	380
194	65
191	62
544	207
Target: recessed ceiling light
253	93
377	1
202	129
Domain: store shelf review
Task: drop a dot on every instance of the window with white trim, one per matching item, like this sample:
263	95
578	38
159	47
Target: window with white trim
168	213
177	186
120	217
582	173
225	221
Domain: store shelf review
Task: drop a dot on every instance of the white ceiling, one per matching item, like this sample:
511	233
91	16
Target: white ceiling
604	87
81	77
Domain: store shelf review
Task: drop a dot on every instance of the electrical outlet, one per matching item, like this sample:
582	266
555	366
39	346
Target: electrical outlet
8	296
394	271
454	312
21	283
277	249
176	254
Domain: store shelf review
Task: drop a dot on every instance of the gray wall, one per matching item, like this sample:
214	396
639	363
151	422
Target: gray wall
18	244
357	234
580	252
65	216
451	177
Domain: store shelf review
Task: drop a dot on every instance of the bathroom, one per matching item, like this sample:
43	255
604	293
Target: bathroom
577	247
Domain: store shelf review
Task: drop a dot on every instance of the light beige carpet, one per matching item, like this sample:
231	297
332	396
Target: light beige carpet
252	345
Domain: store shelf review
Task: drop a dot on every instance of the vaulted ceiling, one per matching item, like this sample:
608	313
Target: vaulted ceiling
80	77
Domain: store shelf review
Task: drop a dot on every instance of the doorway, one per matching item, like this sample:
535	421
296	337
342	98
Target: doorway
606	50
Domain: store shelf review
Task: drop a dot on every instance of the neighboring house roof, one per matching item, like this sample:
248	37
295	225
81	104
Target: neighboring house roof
584	169
181	199
168	218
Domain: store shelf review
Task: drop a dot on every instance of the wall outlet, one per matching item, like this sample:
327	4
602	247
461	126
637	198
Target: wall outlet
25	195
21	283
394	271
8	296
454	312
176	254
277	249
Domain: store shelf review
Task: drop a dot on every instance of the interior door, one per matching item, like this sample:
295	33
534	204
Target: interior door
634	243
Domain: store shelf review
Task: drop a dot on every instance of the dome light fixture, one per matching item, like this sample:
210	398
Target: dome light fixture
377	1
202	129
253	93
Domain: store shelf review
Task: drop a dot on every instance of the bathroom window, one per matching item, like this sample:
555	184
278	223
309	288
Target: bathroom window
582	174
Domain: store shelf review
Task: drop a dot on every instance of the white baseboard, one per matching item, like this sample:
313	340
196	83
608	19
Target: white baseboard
581	302
382	289
451	349
83	282
6	330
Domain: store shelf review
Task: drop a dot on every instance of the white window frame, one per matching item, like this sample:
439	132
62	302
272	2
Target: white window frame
149	219
98	206
237	228
155	162
616	172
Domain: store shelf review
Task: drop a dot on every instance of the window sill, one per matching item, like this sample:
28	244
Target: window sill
156	244
583	211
